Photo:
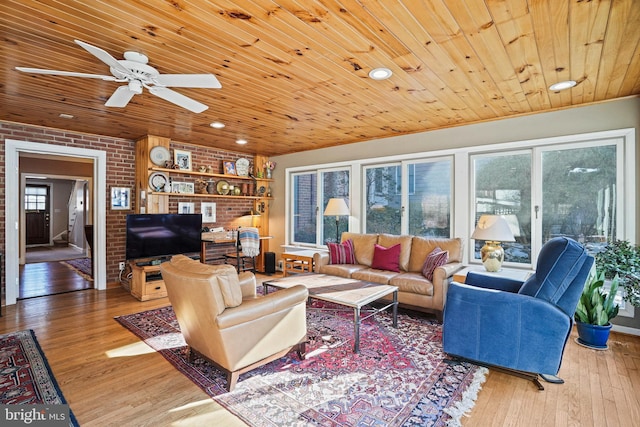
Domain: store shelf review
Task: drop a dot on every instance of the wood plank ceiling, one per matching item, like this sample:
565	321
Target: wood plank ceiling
294	73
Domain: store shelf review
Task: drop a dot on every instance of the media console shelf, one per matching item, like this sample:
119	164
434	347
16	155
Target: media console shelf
146	282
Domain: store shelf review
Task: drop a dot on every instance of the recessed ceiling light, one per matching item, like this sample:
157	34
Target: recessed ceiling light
65	116
217	125
563	85
380	73
241	141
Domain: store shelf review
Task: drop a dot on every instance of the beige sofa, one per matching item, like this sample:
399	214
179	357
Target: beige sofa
415	291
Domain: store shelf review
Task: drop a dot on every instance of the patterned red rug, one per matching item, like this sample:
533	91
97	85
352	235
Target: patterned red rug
25	375
400	377
81	265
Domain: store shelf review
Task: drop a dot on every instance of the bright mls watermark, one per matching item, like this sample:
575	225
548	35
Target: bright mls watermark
35	415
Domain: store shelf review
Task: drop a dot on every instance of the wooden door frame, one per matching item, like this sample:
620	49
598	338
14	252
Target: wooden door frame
13	148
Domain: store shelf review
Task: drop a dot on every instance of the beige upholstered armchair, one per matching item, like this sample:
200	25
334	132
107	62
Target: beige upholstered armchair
223	320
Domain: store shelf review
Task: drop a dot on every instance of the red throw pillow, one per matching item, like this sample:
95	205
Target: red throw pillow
434	260
386	258
341	253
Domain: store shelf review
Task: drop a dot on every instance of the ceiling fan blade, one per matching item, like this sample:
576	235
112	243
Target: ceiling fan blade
65	73
178	99
103	56
120	97
189	80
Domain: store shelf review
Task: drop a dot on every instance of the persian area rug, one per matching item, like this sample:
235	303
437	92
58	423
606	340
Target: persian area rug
25	375
399	378
81	265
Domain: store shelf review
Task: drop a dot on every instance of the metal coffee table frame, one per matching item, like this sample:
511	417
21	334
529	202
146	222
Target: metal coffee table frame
350	293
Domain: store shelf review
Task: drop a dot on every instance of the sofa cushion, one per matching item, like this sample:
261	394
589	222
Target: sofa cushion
386	258
341	270
414	283
423	246
434	260
374	275
388	240
362	246
341	253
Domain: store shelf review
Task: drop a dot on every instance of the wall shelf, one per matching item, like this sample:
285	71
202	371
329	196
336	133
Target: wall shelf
211	175
214	196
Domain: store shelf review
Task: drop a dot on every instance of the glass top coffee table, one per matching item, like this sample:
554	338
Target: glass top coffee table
342	291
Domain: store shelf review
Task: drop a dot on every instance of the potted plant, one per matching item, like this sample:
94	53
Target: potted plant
621	258
595	310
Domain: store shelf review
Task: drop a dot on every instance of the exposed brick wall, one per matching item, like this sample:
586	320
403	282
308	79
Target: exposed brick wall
121	173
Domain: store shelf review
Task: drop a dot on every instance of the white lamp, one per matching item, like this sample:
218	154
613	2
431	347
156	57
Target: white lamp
493	229
337	207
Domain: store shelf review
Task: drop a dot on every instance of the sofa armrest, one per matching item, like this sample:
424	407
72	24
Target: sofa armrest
441	277
258	308
320	259
505	329
247	284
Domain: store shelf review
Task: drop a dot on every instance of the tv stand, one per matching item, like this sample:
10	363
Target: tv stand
146	281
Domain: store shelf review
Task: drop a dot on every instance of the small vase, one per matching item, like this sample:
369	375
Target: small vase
268	171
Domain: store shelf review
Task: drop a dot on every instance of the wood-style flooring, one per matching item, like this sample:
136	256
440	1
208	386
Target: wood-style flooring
49	278
110	378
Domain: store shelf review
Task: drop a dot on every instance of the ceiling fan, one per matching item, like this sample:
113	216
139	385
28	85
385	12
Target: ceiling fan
133	70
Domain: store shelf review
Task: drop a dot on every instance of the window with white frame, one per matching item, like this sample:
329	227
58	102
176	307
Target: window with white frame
311	191
410	197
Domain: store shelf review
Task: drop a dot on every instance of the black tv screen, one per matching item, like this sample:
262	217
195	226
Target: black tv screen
162	235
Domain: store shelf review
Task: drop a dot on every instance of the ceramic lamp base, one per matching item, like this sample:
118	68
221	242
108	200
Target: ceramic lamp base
492	256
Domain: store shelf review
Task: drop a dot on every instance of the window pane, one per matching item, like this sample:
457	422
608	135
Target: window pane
334	184
304	208
430	199
503	187
383	199
579	194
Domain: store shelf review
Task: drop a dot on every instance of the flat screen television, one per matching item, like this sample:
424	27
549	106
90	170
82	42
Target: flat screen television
153	236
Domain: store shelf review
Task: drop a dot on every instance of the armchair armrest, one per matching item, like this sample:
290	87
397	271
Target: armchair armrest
247	284
480	280
505	329
258	308
320	259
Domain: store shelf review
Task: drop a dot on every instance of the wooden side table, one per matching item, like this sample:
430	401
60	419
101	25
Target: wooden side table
297	262
511	273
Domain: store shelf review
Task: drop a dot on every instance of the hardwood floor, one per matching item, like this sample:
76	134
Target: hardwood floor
111	379
49	278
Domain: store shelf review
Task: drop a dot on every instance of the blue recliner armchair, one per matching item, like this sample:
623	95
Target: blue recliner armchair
521	327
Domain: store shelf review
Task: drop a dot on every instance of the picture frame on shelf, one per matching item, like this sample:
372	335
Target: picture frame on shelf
183	187
230	168
208	211
182	159
186	208
120	198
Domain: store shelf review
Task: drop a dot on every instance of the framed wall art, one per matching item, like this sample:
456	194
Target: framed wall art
230	168
186	208
208	211
182	159
183	187
120	198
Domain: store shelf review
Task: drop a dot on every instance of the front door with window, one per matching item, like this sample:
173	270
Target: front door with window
36	200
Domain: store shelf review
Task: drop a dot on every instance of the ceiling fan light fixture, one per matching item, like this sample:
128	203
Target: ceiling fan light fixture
241	141
135	86
380	73
567	84
217	125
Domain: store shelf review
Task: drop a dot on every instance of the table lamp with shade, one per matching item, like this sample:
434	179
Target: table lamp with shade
337	207
493	229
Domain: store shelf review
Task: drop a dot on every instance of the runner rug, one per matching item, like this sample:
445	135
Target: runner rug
81	265
25	375
401	376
